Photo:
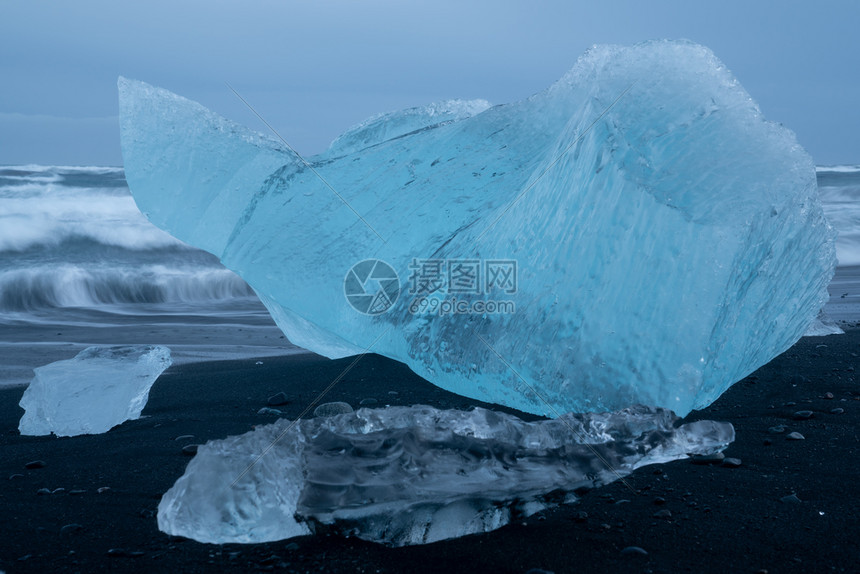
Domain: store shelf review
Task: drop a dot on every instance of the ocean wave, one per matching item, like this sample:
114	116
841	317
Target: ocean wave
837	168
841	202
848	248
45	215
38	168
11	176
20	234
47	287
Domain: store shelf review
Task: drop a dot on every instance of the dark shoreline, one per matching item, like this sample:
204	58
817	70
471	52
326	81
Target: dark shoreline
721	519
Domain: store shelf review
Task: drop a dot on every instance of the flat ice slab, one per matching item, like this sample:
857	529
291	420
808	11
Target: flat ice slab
414	475
92	393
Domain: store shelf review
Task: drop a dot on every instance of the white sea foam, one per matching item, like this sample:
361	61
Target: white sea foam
37	168
47	213
838	168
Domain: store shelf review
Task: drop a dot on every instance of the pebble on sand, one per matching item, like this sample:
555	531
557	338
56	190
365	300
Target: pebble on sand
190	449
278	399
35	464
123	553
714	458
794	436
803	415
634	551
70	529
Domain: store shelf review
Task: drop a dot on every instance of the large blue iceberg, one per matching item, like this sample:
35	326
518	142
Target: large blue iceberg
636	233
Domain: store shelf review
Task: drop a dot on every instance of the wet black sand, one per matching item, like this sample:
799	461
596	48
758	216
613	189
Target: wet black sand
720	519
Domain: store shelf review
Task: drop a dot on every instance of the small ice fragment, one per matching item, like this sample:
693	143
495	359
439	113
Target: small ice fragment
822	326
95	391
331	409
278	399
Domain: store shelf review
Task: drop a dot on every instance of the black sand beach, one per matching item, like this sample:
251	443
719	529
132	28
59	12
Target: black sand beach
711	518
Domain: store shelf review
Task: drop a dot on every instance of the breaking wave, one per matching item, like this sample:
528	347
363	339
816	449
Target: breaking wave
839	187
75	286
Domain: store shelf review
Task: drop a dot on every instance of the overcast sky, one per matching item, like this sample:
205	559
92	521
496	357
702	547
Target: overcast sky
314	68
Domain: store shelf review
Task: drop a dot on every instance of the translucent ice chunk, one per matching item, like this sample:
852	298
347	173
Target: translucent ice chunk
414	475
92	393
635	234
822	326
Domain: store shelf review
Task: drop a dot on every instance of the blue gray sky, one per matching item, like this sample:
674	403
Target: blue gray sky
314	68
